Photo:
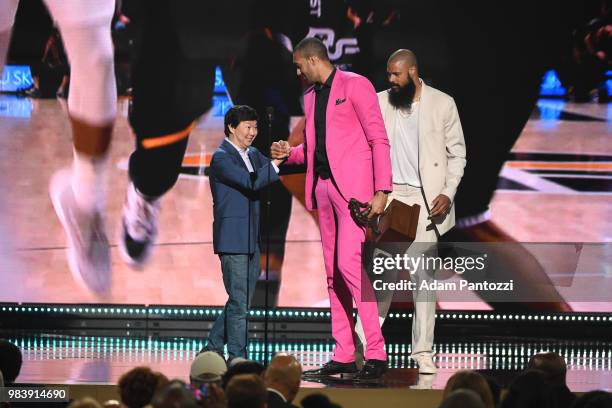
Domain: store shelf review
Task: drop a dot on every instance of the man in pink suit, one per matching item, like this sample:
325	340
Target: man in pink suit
347	154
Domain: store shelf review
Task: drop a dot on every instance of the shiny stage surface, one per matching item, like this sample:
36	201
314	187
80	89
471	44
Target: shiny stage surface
59	359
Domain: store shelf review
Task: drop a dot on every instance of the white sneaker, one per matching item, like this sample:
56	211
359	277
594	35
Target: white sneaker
424	382
88	250
425	362
138	228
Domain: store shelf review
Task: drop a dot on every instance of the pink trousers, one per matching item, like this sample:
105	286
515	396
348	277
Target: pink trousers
341	238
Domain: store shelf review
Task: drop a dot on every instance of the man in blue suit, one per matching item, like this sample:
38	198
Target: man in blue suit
238	172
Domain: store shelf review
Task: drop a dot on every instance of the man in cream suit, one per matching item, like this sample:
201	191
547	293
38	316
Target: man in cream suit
428	157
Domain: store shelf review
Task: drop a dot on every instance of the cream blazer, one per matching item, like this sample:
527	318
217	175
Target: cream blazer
442	154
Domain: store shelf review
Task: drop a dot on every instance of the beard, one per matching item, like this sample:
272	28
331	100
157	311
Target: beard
400	97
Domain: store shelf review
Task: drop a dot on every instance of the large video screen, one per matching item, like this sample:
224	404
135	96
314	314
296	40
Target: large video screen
543	176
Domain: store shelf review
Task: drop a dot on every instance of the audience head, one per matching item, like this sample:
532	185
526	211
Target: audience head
176	394
470	380
317	401
284	375
208	367
462	398
594	399
528	390
495	388
552	365
554	369
85	403
242	366
10	361
246	391
138	386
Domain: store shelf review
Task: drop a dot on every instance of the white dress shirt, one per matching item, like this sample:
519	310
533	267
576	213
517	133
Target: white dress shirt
244	153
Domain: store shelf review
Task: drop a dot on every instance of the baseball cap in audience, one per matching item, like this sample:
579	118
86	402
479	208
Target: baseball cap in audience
207	367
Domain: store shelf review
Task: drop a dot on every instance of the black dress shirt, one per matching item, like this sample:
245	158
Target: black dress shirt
321	163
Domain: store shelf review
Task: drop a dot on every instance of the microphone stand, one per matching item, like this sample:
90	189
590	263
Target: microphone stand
270	116
248	275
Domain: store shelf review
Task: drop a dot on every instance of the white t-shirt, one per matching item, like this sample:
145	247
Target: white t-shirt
405	151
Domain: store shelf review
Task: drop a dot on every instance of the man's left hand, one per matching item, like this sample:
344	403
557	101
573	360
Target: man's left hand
439	206
377	204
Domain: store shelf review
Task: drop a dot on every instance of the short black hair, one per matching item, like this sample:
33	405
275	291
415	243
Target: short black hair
10	361
138	386
246	391
243	367
237	114
312	46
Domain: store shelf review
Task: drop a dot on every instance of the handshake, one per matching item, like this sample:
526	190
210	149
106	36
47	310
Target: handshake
280	150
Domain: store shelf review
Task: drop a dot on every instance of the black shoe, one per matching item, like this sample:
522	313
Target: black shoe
371	370
333	367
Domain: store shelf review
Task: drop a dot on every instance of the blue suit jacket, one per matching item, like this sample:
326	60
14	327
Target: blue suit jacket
236	194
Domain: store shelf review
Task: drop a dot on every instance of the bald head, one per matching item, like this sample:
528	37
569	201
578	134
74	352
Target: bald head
552	364
403	56
403	76
284	374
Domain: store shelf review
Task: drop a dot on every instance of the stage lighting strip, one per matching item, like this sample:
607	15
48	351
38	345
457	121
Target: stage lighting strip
491	347
485	355
77	309
149	312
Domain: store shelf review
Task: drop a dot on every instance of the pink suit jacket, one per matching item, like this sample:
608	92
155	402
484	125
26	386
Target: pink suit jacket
356	140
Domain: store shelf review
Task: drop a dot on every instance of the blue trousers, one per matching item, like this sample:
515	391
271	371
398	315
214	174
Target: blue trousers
240	274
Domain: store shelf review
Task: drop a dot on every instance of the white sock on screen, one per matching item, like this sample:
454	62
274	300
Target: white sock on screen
89	180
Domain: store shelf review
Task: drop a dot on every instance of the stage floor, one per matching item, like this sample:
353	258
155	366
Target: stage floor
556	186
58	359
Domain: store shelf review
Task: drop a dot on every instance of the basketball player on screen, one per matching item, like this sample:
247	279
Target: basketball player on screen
78	193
